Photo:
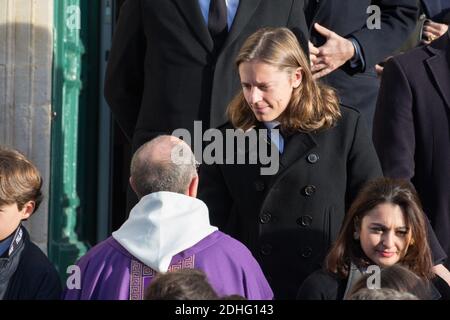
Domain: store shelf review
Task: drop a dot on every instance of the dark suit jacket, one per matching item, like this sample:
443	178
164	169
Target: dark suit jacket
162	71
437	10
359	88
289	220
412	128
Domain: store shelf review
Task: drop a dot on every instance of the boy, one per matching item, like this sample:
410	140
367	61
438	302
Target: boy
25	272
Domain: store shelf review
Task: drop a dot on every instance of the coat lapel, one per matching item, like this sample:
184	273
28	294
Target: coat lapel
193	15
243	15
439	65
296	147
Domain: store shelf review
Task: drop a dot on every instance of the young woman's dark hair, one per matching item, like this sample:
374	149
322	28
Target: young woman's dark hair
384	190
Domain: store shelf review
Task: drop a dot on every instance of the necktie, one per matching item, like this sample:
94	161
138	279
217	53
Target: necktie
217	22
277	138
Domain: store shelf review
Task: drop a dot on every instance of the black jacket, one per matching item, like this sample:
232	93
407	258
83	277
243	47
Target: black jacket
162	70
289	220
324	285
35	277
348	18
412	128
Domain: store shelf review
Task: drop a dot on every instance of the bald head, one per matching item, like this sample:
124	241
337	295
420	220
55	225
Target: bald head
165	163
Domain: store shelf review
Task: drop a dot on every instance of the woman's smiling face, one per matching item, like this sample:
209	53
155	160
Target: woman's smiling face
384	234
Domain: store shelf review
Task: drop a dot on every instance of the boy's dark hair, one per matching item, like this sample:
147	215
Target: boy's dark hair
20	180
184	284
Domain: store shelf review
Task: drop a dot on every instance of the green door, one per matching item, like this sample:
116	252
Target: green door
73	182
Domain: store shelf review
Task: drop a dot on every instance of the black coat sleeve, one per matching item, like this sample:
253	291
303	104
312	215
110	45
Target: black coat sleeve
398	20
321	285
124	79
437	252
362	164
297	24
394	135
393	127
214	192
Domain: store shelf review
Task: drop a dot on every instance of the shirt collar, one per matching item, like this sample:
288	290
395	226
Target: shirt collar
271	124
6	243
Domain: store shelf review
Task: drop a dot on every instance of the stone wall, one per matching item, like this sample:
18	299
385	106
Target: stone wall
25	90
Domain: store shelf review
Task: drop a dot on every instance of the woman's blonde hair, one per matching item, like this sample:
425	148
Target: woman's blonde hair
313	106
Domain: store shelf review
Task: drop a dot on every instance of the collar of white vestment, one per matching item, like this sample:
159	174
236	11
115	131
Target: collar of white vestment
162	225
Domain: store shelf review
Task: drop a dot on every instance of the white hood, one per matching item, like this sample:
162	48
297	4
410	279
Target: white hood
163	224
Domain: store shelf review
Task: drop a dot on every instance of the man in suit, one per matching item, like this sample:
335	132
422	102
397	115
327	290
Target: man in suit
345	50
165	70
412	125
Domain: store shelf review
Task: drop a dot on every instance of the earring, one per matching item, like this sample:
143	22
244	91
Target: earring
356	235
411	243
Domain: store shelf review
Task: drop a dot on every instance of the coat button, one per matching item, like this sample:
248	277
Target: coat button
265	217
309	190
306	252
313	158
266	249
259	185
304	221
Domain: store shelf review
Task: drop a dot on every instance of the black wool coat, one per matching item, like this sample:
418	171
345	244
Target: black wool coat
290	219
35	277
412	128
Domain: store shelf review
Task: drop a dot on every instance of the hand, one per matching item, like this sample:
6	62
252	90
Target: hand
380	67
379	70
432	31
442	272
334	53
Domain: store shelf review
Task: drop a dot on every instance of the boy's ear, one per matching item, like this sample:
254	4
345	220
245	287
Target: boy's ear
27	210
